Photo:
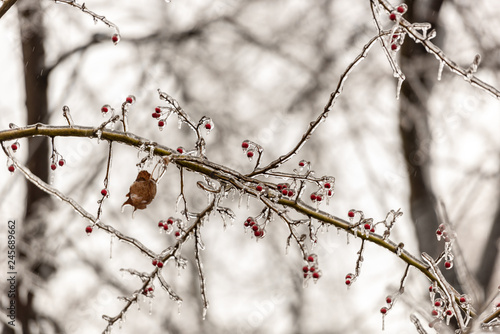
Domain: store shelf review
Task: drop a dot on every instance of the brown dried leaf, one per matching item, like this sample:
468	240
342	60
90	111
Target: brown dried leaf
142	191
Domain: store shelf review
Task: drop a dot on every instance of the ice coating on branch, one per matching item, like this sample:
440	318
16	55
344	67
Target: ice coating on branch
440	69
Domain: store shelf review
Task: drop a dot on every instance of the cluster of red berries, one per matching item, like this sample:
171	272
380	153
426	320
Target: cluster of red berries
249	148
442	233
389	300
400	10
326	189
168	226
61	162
148	291
397	39
311	268
349	279
157	263
285	190
257	230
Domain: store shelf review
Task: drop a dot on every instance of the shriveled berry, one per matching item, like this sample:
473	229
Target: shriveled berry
434	313
290	193
319	198
394	47
161	124
328	185
170	221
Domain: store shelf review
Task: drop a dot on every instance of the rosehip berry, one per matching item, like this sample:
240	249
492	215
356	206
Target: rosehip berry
244	145
350	214
53	166
305	269
104	192
155	262
249	154
383	310
11	168
160	264
392	17
61	162
13	147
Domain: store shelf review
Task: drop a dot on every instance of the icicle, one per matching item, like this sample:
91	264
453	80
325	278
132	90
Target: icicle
111	247
440	70
398	88
204	312
150	306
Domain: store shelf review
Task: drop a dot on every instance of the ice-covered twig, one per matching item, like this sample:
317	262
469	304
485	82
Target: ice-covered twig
201	274
418	325
324	114
67	115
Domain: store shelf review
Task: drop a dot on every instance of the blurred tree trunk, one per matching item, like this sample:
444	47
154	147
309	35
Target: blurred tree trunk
414	127
32	231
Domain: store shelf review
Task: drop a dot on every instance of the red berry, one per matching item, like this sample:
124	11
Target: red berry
61	162
348	276
13	147
347	282
53	166
258	188
170	221
244	144
290	193
372	230
388	300
158	110
310	258
156	115
129	99
249	154
392	17
302	164
104	192
165	227
255	227
312	269
401	9
11	168
434	313
208	126
160	223
180	150
350	214
437	303
367	226
155	262
449	312
258	233
319	198
115	38
161	124
313	197
316	275
394	47
439	232
104	109
328	185
463	300
88	229
383	310
150	289
177	233
160	264
305	269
